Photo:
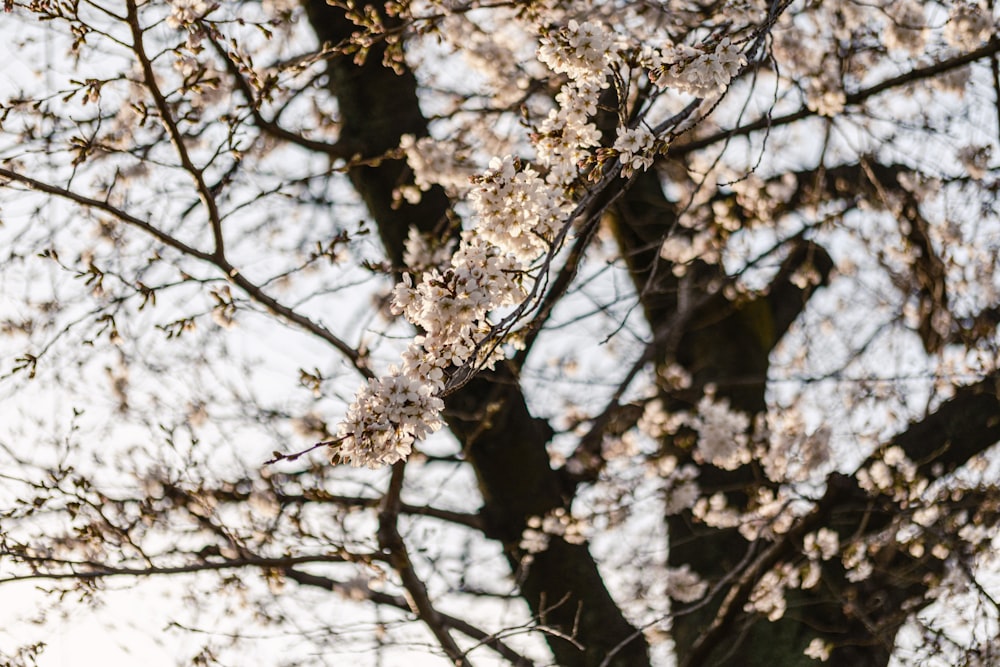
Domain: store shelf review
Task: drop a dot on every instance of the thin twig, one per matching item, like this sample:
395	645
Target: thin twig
251	289
489	640
918	74
176	138
394	550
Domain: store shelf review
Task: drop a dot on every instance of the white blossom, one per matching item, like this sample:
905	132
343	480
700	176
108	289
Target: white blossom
700	73
822	545
581	51
819	650
768	596
716	512
436	163
722	433
387	415
792	453
636	147
968	25
681	491
557	522
185	12
684	585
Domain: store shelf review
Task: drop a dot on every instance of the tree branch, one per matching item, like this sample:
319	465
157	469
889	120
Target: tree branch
392	545
352	592
334	150
251	289
95	570
917	74
99	205
166	117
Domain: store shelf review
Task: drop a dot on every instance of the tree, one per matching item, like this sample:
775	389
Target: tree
675	326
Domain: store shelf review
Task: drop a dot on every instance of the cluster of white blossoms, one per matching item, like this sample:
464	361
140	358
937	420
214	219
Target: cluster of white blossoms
423	252
519	212
518	215
584	53
723	440
968	25
520	209
580	51
567	135
633	146
768	596
434	163
385	419
681	491
558	522
792	453
697	72
185	12
894	475
821	545
771	514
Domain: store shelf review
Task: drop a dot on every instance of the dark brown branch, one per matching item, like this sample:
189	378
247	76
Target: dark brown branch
962	427
251	289
275	307
176	138
94	570
114	211
229	494
334	150
917	74
394	548
491	641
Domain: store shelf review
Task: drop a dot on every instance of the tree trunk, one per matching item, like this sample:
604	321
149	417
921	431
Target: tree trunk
505	444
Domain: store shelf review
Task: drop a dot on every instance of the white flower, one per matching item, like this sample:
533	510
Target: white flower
581	51
387	415
823	544
968	25
792	454
635	148
185	12
684	585
436	162
819	650
722	433
535	537
699	73
768	596
681	490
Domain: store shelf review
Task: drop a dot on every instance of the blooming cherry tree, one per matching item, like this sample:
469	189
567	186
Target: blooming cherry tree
589	334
